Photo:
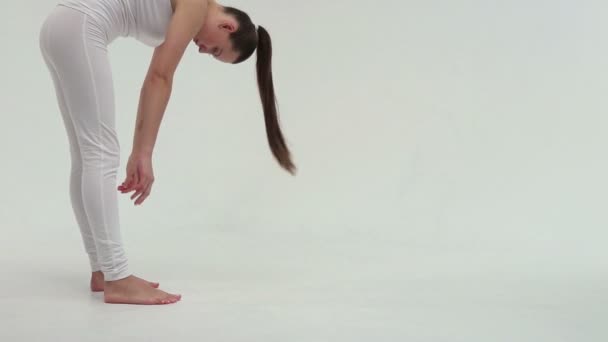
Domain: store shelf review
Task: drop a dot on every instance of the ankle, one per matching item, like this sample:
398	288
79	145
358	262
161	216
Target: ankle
118	281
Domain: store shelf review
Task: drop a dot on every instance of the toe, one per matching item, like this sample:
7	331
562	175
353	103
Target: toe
171	299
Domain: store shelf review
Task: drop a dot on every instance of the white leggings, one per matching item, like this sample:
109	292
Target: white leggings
74	49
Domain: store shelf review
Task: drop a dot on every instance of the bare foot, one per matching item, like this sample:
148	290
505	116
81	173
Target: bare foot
132	290
97	282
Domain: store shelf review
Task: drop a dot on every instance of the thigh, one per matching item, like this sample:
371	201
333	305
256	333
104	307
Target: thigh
65	115
78	53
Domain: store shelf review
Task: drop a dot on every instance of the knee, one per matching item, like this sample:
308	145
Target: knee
106	157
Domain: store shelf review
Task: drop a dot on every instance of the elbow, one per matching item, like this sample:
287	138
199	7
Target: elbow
161	78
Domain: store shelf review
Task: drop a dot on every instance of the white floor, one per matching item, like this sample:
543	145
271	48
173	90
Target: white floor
294	286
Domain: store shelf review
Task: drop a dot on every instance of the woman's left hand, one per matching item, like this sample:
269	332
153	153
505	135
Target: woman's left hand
140	177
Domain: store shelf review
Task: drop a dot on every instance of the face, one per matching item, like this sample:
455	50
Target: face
213	38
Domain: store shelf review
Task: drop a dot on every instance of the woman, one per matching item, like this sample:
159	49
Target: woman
73	42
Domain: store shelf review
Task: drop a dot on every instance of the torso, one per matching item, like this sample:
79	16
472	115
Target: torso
140	19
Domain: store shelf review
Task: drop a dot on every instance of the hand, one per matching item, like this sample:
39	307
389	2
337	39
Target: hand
139	177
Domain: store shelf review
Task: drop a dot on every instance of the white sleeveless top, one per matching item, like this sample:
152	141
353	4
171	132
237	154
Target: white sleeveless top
145	20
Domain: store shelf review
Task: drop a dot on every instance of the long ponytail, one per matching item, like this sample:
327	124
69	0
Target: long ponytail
266	87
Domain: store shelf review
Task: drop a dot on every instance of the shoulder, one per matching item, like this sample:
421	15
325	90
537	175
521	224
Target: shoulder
176	3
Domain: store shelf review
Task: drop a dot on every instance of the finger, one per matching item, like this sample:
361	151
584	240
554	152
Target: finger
128	178
141	187
145	195
138	191
141	199
137	177
133	180
123	189
129	187
125	184
130	183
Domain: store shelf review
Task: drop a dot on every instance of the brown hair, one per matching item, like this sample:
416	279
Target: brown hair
245	41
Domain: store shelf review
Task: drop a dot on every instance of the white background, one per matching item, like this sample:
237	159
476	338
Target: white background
451	185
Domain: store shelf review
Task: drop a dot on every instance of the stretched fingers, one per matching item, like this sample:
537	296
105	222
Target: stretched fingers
126	185
145	193
140	186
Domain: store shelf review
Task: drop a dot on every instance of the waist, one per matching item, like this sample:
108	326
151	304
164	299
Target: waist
113	17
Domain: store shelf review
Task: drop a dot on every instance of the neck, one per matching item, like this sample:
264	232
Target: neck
214	9
213	6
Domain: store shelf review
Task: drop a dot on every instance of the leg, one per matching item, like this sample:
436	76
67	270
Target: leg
76	53
78	57
75	181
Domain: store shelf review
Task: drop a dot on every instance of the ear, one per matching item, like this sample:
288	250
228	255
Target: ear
228	26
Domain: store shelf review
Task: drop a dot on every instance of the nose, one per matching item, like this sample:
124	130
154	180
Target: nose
202	48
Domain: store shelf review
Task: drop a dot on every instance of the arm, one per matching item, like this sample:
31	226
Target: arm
156	90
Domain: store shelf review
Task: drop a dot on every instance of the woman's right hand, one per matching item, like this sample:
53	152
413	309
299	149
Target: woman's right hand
139	178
